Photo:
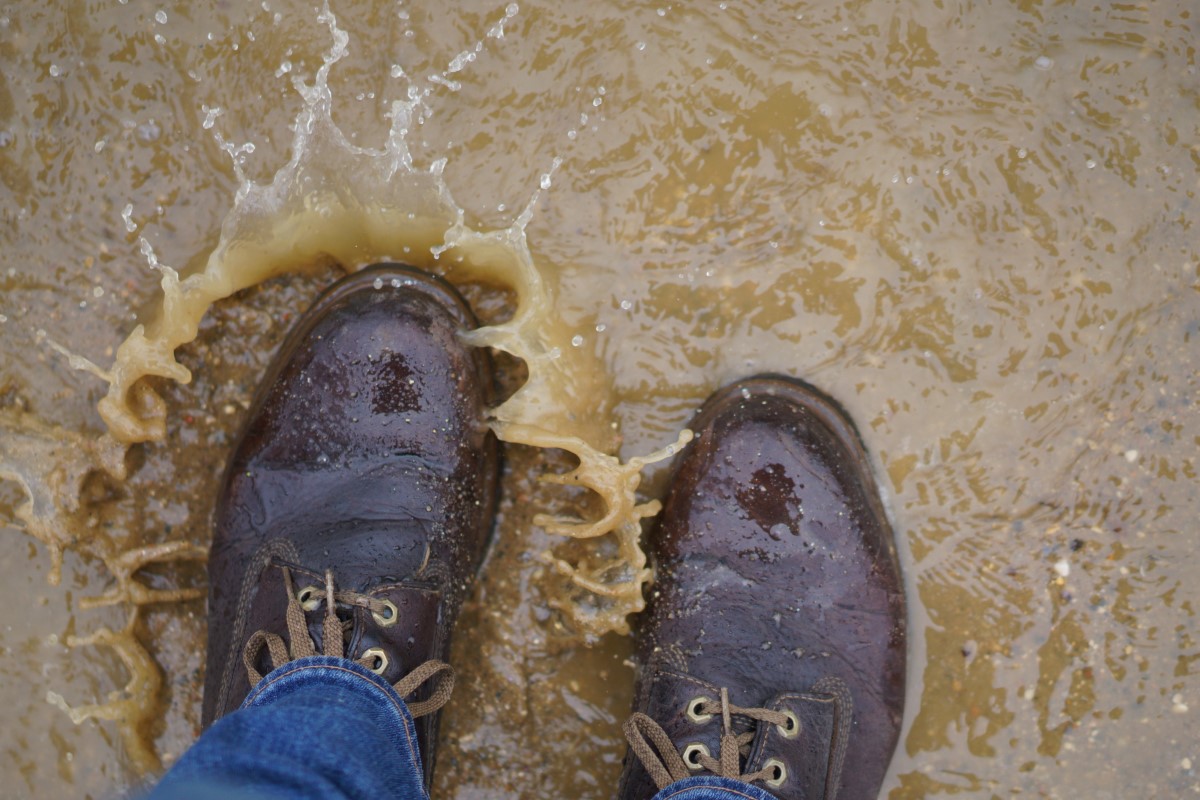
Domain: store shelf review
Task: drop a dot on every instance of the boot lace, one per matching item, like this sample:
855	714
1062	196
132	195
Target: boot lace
333	628
666	766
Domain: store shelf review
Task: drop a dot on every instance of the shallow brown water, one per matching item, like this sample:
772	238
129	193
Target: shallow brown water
973	223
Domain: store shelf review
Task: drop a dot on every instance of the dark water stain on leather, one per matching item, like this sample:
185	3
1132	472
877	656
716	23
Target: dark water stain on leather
769	499
393	391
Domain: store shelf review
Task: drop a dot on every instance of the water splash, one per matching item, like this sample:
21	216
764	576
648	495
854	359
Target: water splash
51	465
334	200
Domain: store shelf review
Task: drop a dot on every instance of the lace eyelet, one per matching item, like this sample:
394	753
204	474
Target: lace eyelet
391	612
690	754
780	772
381	660
309	598
792	729
695	714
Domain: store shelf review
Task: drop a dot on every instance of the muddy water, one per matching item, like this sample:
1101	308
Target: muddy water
973	223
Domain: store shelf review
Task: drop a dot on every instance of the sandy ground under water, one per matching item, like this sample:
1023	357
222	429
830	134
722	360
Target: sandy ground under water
974	223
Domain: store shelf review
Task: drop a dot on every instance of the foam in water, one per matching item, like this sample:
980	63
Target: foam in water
354	205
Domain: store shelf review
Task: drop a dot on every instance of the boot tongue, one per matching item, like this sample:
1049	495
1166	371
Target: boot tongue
813	758
414	634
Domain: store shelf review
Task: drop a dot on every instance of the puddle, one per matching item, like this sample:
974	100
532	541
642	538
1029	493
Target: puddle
974	229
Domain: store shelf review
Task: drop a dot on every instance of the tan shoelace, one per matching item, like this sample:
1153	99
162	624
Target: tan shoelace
332	629
666	765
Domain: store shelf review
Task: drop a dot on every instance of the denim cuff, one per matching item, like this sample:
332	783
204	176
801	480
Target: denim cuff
712	787
341	673
317	728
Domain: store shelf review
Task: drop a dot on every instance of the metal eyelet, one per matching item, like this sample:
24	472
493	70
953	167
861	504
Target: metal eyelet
695	714
690	754
309	598
381	659
390	616
780	772
792	729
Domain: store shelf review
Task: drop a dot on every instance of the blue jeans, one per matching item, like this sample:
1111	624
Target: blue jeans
328	729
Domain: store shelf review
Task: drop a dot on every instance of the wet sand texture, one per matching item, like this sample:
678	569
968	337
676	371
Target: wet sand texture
972	223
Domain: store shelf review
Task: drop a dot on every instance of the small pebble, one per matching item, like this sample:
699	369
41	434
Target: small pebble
1062	567
1131	456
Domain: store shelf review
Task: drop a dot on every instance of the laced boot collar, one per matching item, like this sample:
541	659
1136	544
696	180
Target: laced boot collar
794	745
333	633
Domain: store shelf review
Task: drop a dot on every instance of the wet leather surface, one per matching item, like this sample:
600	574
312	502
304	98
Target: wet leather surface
366	452
776	569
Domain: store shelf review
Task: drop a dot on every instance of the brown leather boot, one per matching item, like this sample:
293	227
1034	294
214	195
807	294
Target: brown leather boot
358	502
773	647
